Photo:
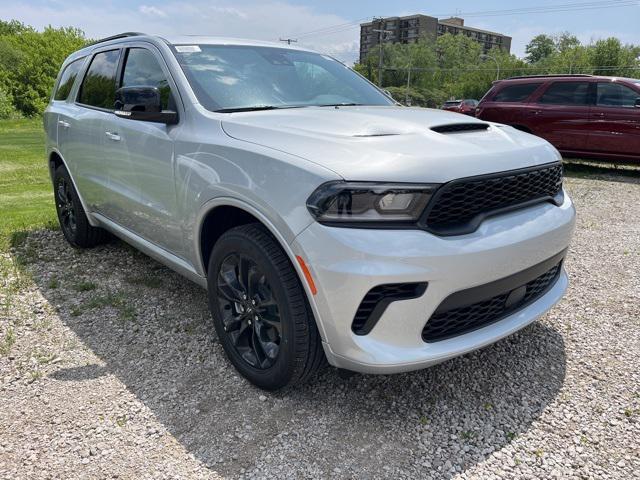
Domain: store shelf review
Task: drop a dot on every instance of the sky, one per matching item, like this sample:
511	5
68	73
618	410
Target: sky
310	21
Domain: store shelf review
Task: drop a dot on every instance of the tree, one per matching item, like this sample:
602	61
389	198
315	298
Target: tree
610	57
13	27
566	42
30	61
539	48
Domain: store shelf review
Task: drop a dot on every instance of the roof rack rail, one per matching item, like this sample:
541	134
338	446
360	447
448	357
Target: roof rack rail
552	75
115	37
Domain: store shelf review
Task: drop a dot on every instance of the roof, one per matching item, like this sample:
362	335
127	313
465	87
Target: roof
568	76
212	40
180	40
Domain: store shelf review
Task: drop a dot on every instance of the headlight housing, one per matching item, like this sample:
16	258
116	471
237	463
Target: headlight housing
358	203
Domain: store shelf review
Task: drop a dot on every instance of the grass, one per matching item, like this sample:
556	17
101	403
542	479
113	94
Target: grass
84	286
7	341
117	300
26	196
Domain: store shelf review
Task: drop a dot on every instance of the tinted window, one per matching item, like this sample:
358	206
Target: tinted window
230	77
516	93
143	70
99	84
67	79
616	95
566	93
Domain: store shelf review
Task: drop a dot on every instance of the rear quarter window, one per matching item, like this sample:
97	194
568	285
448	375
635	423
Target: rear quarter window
518	92
67	79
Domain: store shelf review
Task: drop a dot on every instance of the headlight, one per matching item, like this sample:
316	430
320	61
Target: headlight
362	202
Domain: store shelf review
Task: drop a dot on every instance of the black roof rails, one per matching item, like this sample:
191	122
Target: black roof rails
115	37
552	75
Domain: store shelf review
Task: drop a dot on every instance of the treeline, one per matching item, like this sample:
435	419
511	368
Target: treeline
29	64
454	67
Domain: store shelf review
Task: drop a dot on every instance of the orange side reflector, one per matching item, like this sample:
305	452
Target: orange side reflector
307	275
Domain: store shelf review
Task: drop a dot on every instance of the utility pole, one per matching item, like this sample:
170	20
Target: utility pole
381	33
406	94
485	56
289	40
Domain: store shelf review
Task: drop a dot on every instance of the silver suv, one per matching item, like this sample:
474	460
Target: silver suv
326	222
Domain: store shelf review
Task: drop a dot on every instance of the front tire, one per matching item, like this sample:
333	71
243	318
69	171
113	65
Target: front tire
72	217
260	311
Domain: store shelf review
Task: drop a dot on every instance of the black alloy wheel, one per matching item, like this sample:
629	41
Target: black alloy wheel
66	210
260	311
250	312
72	217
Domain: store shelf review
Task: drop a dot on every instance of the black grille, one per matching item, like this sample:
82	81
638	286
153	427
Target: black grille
456	321
459	206
460	127
378	299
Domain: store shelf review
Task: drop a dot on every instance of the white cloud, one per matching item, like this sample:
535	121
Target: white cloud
230	11
261	20
147	10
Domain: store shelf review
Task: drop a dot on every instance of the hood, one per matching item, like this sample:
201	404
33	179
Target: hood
394	144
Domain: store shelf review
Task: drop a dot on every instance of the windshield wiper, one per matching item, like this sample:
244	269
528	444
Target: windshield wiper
256	108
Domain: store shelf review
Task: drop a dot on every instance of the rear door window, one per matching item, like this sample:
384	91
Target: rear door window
143	70
616	95
99	85
518	92
67	79
566	93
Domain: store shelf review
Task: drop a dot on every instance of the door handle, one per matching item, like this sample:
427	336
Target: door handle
64	124
535	112
598	114
112	136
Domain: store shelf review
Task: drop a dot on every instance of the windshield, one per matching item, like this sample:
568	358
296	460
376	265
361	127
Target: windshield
232	78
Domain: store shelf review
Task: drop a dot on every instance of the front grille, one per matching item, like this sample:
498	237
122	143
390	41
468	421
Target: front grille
449	322
378	299
459	206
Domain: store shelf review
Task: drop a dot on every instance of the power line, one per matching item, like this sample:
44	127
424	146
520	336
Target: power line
506	69
557	8
548	8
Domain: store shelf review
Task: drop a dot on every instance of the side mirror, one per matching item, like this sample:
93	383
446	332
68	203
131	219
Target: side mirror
637	102
144	104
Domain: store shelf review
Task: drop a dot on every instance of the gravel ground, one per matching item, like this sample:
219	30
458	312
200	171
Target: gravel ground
110	368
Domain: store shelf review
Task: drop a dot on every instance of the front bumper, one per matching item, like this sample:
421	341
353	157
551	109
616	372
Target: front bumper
346	263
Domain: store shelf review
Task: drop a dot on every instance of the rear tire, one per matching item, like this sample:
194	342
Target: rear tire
72	217
260	310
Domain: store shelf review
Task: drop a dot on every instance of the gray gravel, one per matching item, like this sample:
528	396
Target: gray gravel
116	372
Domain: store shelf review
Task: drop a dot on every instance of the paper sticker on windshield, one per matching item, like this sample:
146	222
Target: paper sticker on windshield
187	48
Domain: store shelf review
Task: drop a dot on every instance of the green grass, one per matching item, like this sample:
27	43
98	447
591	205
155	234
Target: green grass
26	196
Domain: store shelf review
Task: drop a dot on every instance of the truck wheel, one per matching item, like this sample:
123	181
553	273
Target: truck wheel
260	311
73	220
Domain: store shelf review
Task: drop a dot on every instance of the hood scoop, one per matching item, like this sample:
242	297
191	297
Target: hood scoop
460	127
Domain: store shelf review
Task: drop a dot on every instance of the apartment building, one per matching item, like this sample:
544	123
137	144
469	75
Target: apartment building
413	27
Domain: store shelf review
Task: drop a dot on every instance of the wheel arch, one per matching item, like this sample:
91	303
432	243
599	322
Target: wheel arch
233	212
54	160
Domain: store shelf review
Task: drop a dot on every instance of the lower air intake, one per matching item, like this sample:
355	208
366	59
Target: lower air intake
490	303
378	299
